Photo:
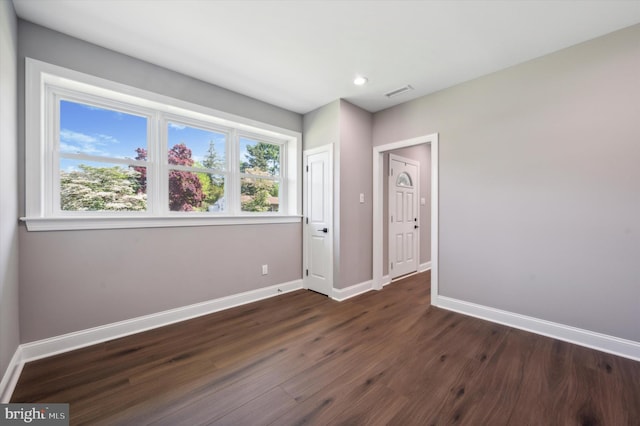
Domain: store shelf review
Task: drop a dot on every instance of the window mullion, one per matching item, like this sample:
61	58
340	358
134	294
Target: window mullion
284	179
51	154
233	188
160	163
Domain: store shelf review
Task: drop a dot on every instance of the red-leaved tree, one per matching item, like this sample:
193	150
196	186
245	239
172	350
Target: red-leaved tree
185	189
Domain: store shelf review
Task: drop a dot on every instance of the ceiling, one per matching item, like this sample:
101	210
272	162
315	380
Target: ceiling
303	54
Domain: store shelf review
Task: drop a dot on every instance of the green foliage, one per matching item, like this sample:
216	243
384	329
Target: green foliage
101	189
213	160
212	185
119	189
258	193
262	156
212	188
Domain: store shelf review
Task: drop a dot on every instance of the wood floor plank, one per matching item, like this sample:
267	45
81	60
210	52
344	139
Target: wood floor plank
384	357
260	411
378	408
335	397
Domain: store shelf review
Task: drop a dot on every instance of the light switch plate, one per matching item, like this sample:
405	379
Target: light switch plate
361	198
423	201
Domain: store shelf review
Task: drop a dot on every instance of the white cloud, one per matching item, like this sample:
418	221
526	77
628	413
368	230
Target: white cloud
90	107
71	141
108	138
71	136
177	126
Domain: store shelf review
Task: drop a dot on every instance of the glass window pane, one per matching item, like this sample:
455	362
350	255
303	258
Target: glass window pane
91	186
86	129
191	146
191	191
259	195
404	180
259	158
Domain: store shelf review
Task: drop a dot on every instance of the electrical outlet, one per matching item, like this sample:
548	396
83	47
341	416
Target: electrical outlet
265	269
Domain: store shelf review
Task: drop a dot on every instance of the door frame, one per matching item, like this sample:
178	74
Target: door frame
378	188
416	202
305	238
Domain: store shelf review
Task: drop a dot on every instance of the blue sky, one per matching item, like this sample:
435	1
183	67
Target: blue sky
197	140
90	130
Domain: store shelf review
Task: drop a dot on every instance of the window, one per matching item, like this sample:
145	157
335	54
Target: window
404	180
260	175
197	164
97	170
104	155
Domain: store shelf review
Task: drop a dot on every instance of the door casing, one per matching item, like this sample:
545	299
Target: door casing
378	188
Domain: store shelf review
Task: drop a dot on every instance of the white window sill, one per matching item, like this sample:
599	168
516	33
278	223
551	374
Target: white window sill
113	222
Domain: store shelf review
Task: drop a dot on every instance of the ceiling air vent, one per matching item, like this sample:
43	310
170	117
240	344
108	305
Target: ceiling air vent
398	91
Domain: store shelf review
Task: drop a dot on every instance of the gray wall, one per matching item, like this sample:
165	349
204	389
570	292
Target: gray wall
79	279
539	184
322	127
349	129
422	154
356	219
9	331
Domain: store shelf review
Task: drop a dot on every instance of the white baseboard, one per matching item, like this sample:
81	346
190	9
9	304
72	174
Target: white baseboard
79	339
67	342
423	267
341	294
589	339
11	376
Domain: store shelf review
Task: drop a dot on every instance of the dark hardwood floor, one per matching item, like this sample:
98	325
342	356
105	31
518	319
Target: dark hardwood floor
385	357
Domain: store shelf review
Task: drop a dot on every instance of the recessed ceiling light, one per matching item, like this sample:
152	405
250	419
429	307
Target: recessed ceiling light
360	80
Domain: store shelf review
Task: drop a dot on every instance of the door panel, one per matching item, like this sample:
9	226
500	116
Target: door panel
317	204
318	232
399	206
317	266
403	216
409	248
399	248
409	213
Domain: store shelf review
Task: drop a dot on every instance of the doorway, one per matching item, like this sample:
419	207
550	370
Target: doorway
378	212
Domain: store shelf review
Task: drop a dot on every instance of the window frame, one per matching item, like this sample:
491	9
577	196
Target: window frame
165	167
46	84
282	201
52	145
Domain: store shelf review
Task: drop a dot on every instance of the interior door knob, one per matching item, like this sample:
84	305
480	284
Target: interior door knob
325	230
415	227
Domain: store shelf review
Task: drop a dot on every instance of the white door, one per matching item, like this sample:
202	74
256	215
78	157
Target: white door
403	215
318	232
